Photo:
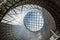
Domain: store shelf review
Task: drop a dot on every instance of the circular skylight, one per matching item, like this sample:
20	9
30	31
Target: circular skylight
34	20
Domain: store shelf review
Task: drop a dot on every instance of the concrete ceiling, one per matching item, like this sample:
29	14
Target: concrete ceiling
53	6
